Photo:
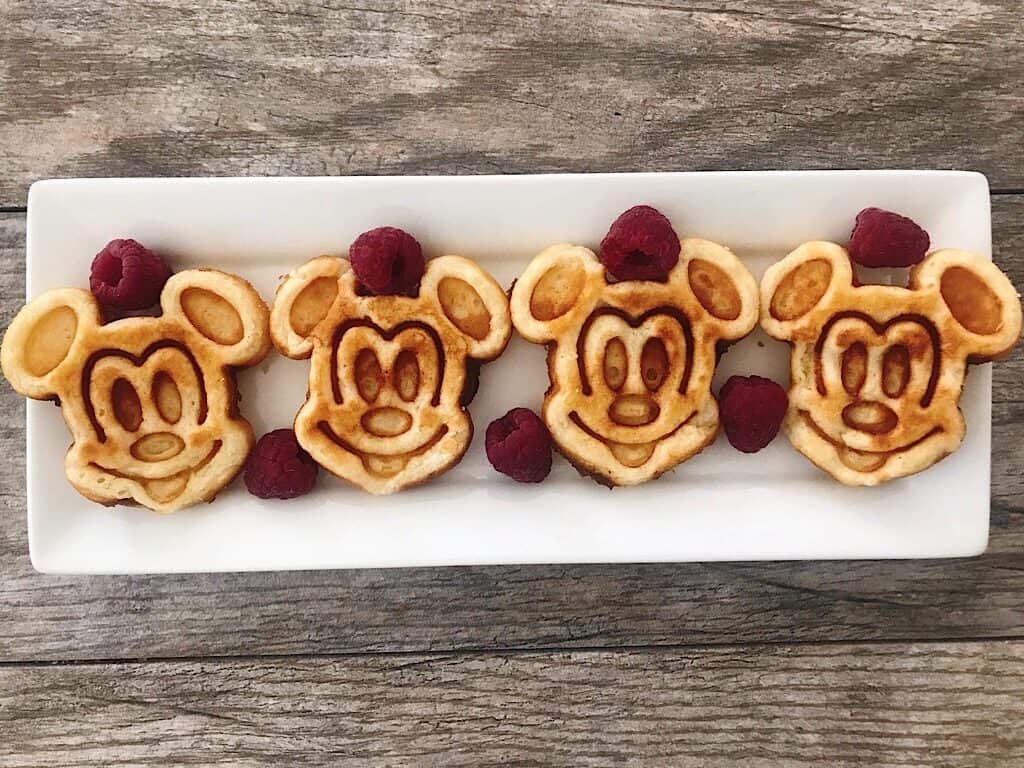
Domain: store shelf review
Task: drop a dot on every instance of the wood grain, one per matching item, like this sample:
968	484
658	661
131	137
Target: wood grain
877	706
99	88
779	664
56	618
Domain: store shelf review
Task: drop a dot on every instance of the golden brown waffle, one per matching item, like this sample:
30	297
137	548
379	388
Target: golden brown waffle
388	373
877	371
150	401
631	362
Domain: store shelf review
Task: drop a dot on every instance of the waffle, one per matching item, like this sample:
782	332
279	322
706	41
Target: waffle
631	362
150	401
385	408
877	371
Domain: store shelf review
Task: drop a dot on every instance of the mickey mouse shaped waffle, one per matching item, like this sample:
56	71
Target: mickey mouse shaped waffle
631	361
877	370
391	342
150	401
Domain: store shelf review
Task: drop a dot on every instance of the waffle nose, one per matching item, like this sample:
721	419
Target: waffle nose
157	446
871	417
386	422
633	410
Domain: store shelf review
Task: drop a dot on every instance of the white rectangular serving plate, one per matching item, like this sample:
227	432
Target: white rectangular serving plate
721	505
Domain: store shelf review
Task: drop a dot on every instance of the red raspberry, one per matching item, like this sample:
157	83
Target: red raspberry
127	275
640	245
886	239
752	409
519	445
387	260
278	468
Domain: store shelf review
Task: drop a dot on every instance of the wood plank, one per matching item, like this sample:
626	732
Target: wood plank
516	607
98	88
948	705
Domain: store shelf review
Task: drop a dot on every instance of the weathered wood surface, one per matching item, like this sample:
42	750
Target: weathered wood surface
876	706
690	665
99	88
59	618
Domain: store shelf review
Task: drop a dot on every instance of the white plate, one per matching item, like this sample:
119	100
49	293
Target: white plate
722	505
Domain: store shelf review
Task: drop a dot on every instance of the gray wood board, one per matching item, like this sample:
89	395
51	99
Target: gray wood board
836	705
97	88
419	610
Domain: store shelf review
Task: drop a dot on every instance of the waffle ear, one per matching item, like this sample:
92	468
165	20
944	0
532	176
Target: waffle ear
559	287
222	310
45	337
471	301
303	299
982	303
720	284
806	279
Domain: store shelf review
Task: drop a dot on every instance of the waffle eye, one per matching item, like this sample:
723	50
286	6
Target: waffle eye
615	364
407	375
127	408
854	368
895	370
654	363
167	397
369	378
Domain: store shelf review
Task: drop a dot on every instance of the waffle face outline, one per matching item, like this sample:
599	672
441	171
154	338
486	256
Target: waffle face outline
385	408
150	402
876	372
631	362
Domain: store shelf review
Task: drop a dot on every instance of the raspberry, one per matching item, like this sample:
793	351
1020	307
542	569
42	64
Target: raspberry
886	239
127	275
519	445
278	468
640	245
387	260
752	409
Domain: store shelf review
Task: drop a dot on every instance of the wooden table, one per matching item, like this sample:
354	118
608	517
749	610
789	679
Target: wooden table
790	664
